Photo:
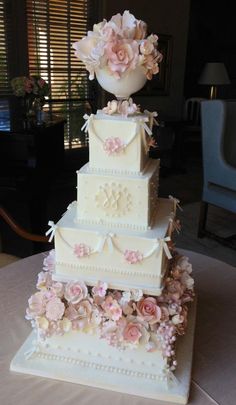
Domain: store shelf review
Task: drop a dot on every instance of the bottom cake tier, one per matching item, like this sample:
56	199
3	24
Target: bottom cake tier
125	341
85	359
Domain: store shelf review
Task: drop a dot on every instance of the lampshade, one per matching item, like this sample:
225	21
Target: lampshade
214	74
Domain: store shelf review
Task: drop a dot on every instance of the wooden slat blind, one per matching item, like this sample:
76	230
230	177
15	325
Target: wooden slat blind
4	77
53	26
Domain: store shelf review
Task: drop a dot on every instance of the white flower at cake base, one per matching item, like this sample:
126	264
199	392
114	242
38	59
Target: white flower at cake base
49	261
55	309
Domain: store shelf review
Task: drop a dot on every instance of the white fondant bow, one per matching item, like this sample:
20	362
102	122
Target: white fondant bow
176	201
161	244
107	238
88	118
51	230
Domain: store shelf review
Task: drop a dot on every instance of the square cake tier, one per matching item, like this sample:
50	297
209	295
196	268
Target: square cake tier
118	143
124	259
118	200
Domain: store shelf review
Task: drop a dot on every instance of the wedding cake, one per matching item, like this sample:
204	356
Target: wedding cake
113	295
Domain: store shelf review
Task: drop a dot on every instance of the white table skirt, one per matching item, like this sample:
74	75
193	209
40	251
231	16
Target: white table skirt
214	363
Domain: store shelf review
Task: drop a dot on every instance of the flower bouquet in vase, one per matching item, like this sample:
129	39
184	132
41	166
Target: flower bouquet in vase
120	54
32	90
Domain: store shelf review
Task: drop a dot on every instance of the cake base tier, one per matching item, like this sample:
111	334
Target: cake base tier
100	376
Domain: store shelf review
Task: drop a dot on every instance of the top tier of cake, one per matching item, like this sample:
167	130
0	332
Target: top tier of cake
118	144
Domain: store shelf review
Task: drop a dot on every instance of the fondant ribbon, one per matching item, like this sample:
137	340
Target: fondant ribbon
151	116
165	246
146	128
176	202
170	377
107	238
161	244
88	119
51	230
175	225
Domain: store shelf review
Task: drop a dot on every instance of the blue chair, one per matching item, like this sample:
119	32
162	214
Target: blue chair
218	125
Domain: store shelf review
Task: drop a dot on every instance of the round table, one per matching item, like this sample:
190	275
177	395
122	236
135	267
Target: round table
214	361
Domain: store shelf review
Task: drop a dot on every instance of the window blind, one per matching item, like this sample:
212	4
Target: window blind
53	26
4	77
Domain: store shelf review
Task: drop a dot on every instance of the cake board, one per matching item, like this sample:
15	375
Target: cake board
80	372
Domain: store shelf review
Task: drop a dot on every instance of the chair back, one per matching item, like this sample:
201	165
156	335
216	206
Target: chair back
218	124
192	110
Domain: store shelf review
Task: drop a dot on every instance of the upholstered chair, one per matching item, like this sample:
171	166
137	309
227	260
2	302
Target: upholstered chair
218	125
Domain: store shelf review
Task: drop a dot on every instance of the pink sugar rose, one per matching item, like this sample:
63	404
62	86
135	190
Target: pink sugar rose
49	261
112	308
133	256
132	332
75	291
113	145
82	250
148	310
37	304
122	56
55	309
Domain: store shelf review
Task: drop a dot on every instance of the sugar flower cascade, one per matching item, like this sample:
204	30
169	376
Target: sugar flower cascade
125	319
119	45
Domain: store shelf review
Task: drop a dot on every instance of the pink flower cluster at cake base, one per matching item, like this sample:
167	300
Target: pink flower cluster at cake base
119	45
125	319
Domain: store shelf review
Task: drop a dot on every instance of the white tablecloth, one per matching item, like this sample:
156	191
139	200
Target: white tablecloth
214	364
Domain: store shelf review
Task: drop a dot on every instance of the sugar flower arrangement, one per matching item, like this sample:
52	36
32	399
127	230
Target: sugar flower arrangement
32	86
125	319
120	45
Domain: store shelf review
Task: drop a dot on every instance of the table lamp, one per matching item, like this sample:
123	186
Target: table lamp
214	74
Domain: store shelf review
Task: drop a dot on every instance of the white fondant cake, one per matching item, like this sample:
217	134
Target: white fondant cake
112	298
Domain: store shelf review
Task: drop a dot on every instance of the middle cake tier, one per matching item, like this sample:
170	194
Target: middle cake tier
118	200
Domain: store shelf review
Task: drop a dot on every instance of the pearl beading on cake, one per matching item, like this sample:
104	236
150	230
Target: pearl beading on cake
108	270
101	367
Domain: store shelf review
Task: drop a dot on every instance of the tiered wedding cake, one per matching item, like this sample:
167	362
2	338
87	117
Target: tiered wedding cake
112	298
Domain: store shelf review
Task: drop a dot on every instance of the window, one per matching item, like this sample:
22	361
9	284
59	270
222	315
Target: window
53	26
4	79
